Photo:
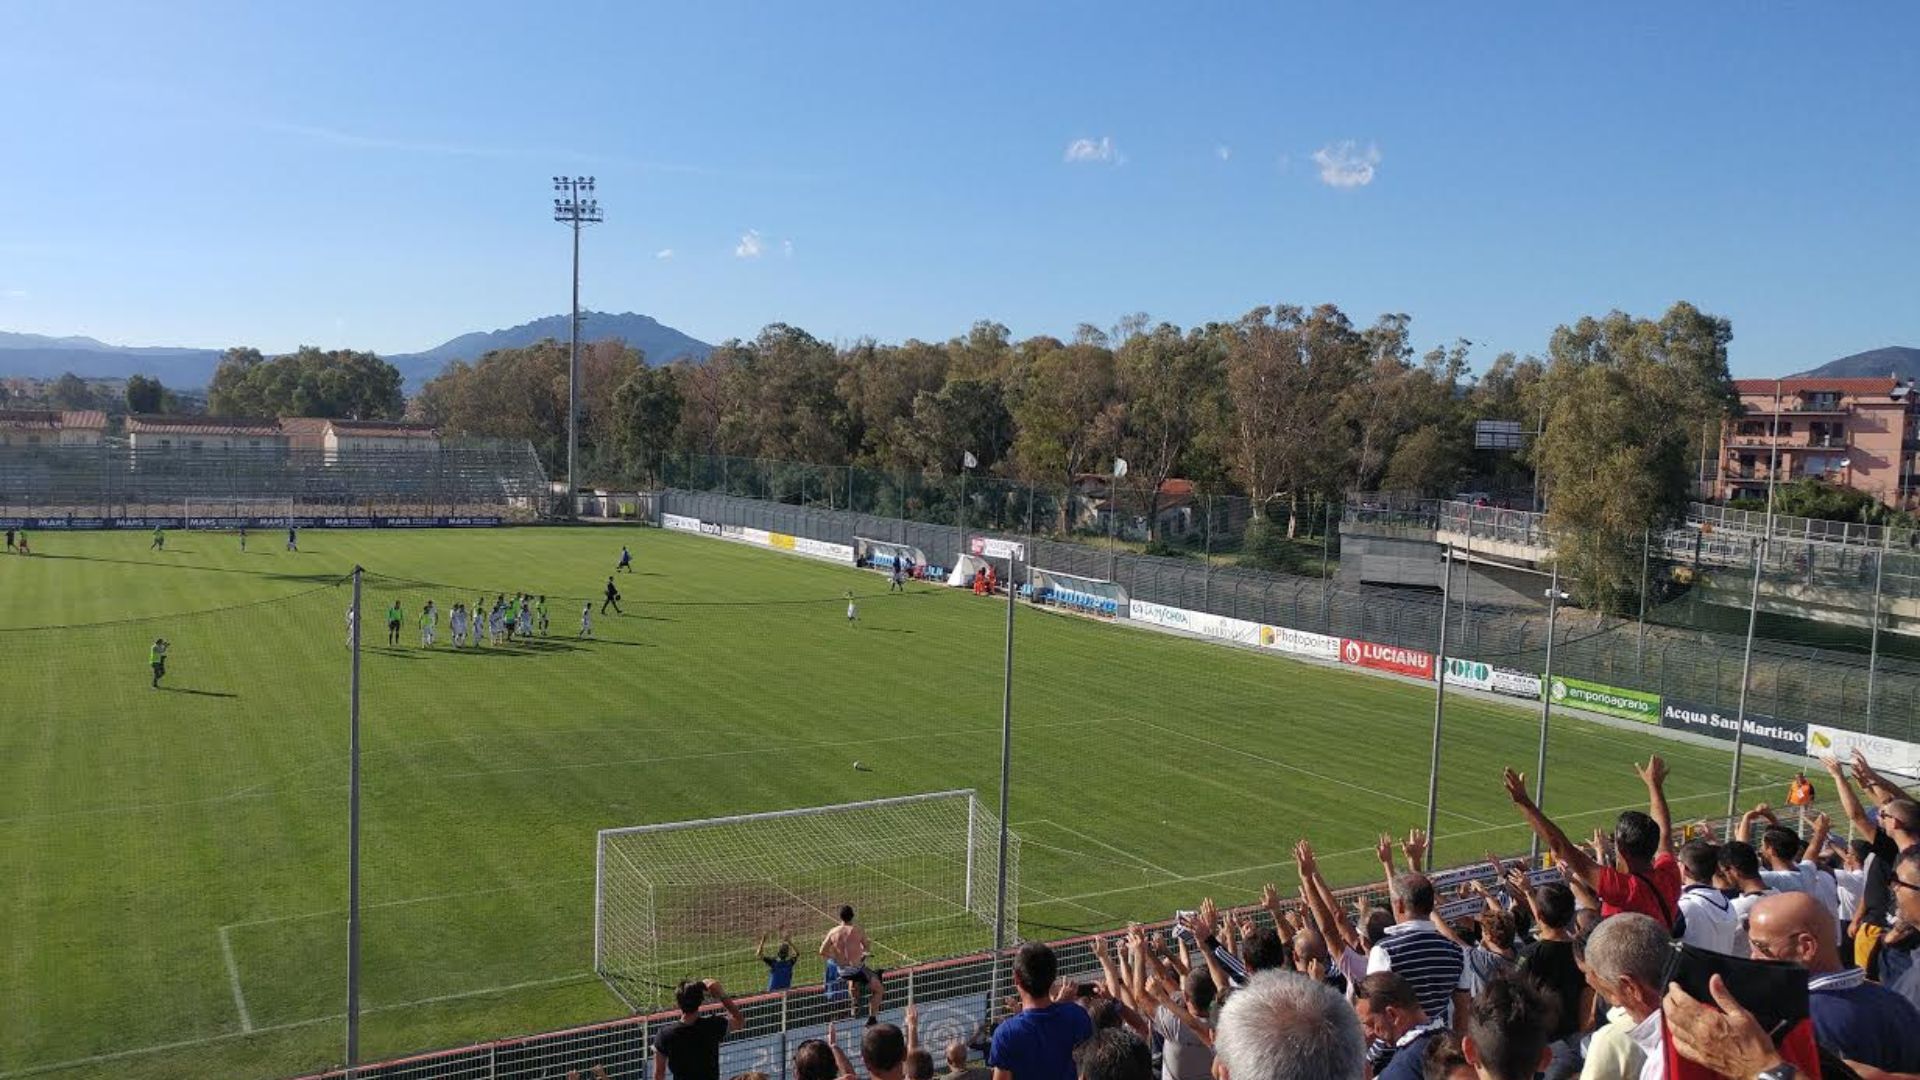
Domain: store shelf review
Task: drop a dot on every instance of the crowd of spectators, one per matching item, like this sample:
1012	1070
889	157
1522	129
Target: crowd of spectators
1762	954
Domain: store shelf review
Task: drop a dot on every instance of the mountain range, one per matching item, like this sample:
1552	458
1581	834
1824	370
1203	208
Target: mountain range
1899	361
43	357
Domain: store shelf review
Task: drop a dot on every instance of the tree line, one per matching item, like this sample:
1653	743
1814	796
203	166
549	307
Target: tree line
1286	405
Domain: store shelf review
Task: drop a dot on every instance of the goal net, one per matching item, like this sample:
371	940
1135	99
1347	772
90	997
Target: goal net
689	899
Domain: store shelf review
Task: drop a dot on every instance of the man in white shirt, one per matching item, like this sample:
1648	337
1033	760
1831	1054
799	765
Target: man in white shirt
1711	923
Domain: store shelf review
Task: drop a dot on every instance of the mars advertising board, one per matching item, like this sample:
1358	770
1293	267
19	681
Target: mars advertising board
1369	654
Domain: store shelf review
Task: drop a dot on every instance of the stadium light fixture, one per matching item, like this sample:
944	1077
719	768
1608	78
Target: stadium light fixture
575	209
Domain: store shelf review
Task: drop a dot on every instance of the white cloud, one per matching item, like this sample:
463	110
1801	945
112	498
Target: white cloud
1223	152
15	294
786	248
1090	151
1346	164
663	253
749	245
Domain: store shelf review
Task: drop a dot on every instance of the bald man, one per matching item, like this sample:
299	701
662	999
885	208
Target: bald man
1856	1019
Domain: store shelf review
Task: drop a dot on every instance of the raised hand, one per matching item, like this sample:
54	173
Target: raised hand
1415	847
1303	857
1654	772
1384	849
1516	787
1270	897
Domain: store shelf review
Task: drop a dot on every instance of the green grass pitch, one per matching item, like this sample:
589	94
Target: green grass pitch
174	882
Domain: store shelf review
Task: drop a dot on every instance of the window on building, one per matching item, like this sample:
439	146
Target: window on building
194	446
1752	427
1827	400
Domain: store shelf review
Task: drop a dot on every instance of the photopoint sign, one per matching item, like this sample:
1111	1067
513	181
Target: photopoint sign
1762	730
1601	698
1369	654
1300	642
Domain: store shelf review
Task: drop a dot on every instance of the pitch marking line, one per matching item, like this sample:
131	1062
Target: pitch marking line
1135	859
233	981
1306	772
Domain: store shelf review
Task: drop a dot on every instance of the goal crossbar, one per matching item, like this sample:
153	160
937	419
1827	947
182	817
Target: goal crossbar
800	811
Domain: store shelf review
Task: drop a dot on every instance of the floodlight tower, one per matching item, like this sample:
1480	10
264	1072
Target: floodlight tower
576	207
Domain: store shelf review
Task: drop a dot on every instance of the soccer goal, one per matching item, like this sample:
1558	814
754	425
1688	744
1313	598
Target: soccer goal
688	899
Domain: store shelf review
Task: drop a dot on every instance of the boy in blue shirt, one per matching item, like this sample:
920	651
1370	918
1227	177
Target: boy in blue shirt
780	964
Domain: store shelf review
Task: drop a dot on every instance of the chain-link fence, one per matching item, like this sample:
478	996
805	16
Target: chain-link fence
1791	683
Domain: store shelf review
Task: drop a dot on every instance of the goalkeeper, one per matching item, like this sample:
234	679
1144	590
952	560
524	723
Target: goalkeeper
847	947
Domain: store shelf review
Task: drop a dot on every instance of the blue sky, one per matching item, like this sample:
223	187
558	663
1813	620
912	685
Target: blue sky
377	175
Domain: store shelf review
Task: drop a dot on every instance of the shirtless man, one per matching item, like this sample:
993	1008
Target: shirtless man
847	946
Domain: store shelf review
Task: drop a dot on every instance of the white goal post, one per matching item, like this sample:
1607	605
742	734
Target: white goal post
689	899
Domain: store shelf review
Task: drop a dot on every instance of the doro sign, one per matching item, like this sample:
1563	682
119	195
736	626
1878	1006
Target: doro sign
1469	673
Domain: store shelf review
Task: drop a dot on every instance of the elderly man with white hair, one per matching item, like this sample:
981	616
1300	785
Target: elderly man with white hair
1626	964
1283	1026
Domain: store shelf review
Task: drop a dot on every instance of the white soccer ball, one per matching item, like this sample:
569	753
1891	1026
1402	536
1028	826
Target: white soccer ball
856	765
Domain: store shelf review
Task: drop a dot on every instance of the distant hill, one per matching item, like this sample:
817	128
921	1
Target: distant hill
659	343
38	356
1897	360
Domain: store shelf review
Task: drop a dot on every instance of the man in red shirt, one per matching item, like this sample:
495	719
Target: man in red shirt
1645	877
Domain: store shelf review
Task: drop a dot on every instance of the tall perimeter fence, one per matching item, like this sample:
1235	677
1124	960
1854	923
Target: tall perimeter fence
1096	530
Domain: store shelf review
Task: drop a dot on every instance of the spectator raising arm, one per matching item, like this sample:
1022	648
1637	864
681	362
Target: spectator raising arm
1655	776
735	1019
1883	790
1575	862
1327	914
1849	802
1414	847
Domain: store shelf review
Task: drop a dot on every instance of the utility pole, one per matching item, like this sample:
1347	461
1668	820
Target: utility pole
577	207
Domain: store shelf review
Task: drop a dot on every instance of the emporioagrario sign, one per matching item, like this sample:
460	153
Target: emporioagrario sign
1369	654
1762	730
1601	698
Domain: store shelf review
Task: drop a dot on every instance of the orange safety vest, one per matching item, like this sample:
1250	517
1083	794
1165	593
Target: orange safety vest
1800	793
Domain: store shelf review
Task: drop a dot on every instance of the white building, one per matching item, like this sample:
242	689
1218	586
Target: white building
52	427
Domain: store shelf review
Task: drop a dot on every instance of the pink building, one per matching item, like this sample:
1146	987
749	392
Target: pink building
1864	433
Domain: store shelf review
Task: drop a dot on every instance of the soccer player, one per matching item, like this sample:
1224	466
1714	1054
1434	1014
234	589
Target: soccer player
428	620
159	540
293	540
243	538
457	624
509	616
394	616
853	612
541	611
613	597
20	543
586	619
497	621
350	626
899	583
9	539
479	617
157	660
626	560
847	946
526	616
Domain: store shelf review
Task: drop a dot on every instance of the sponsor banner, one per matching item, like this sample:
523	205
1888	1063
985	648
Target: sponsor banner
1469	673
757	536
711	528
1762	730
780	540
1475	675
1300	642
820	549
989	548
1392	658
1516	683
1160	615
1884	754
733	532
682	523
1601	698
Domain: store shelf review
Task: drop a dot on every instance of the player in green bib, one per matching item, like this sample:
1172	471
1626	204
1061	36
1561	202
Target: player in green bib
157	659
393	623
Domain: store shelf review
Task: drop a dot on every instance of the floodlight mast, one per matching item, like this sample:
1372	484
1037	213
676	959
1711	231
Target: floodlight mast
577	207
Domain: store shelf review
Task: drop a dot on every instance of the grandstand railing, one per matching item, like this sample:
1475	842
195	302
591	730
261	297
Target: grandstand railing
111	480
957	998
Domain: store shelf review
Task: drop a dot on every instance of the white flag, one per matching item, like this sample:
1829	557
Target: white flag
1119	467
968	460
